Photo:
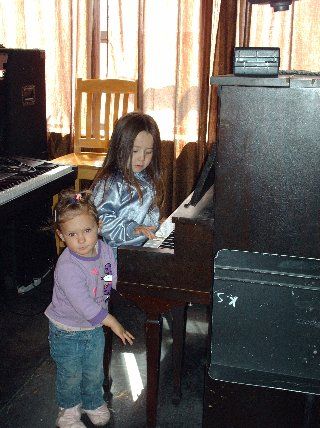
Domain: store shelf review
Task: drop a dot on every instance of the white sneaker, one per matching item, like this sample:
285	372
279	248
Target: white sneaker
70	418
99	416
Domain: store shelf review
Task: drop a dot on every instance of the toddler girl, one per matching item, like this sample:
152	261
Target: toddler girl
83	278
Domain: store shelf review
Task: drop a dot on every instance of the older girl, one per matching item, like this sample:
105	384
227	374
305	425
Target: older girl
127	190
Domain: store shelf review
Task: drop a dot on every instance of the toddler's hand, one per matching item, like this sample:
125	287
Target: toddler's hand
124	335
118	329
147	231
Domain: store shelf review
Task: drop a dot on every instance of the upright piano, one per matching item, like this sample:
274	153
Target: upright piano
266	199
169	272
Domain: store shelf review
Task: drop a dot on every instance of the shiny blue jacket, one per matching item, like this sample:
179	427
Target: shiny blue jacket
121	211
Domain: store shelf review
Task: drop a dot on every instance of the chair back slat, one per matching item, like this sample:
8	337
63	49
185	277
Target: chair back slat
88	130
116	107
125	103
96	109
99	104
107	116
77	116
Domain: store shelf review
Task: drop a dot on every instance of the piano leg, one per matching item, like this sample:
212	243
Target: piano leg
108	351
107	360
153	327
154	307
179	318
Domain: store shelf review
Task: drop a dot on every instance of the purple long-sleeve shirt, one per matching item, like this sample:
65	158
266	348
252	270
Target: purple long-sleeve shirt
82	287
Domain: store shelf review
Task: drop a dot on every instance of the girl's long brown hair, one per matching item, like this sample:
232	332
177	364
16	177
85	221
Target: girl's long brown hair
120	149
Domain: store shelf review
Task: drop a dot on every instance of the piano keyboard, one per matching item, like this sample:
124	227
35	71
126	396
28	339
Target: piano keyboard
168	242
164	236
21	188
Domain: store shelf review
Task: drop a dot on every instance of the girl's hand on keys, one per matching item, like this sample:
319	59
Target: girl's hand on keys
147	231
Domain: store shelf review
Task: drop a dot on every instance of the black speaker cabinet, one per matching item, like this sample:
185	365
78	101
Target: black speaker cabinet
2	109
235	405
267	167
24	126
266	316
264	339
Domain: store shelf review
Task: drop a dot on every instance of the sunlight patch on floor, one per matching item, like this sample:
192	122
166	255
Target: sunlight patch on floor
133	373
199	327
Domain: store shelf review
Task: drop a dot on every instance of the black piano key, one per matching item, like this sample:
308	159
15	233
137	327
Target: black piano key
168	242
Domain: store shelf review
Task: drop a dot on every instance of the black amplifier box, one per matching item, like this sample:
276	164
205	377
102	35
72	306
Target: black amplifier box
266	320
256	62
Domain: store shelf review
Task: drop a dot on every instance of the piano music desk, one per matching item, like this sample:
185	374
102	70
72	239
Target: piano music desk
158	280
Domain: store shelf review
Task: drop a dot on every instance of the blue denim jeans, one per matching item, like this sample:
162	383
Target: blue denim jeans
78	356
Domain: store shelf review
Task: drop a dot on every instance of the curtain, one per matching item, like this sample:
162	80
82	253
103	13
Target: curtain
167	45
171	46
222	57
67	30
175	45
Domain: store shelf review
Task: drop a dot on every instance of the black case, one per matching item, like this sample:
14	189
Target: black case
256	62
23	126
266	320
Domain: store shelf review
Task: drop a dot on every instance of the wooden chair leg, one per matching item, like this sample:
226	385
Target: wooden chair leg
58	242
77	185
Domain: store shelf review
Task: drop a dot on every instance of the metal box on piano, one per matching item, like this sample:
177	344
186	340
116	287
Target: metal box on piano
256	62
264	368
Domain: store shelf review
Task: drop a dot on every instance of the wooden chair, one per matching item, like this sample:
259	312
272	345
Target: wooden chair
98	105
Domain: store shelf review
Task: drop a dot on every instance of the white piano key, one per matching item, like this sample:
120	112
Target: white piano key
162	233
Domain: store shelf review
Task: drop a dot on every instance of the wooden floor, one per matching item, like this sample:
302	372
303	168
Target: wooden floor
27	375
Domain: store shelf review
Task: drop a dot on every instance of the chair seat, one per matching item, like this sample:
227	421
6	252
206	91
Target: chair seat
87	163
